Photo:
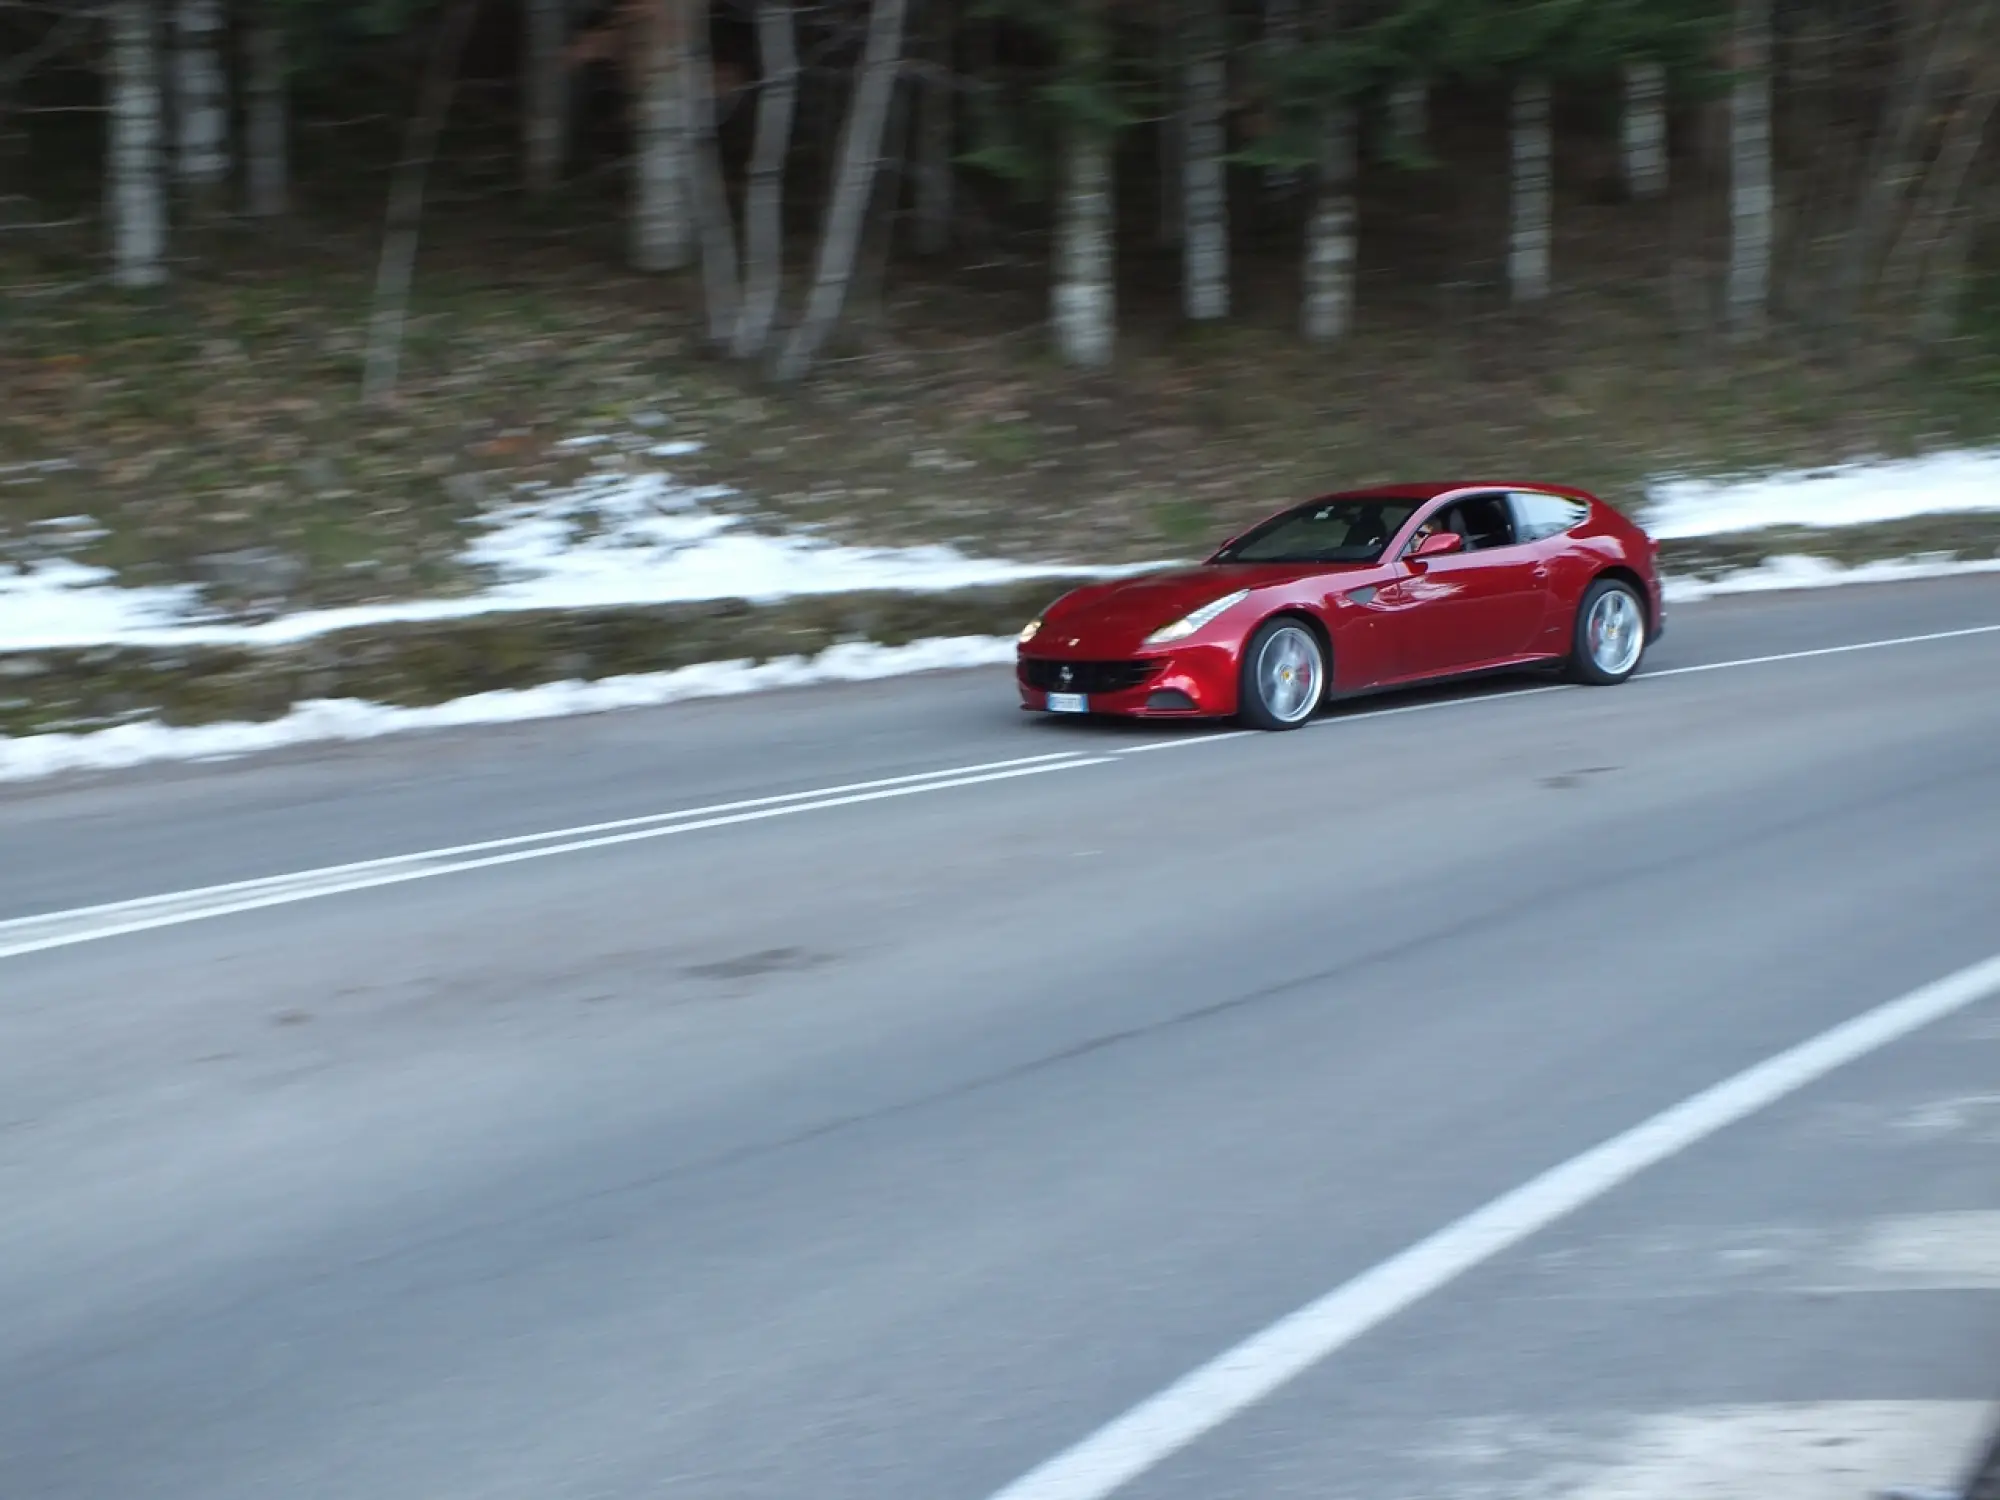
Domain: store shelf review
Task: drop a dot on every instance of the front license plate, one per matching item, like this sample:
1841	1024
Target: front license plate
1069	703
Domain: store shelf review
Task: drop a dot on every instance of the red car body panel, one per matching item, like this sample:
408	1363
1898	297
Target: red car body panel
1394	622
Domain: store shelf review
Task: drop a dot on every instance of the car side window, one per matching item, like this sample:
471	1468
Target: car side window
1539	517
1485	521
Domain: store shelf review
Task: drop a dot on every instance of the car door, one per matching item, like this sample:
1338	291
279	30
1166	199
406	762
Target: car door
1542	523
1464	610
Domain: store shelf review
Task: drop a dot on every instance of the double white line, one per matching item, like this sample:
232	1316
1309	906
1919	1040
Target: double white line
91	923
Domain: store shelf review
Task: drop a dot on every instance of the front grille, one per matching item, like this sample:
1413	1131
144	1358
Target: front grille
1085	676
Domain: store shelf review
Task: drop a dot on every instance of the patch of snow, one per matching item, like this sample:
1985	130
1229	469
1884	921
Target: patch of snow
346	719
1818	572
57	600
1946	483
609	540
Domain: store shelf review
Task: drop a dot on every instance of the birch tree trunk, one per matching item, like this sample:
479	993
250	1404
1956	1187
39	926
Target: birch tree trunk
1083	298
406	206
1282	36
1329	299
661	238
1533	192
1645	134
1204	177
201	102
708	195
267	146
1409	115
936	112
545	101
137	192
860	162
764	199
1750	191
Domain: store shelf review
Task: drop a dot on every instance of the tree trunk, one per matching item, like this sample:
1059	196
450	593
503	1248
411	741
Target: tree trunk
1329	299
661	240
860	161
1937	316
267	145
1084	297
1409	116
137	192
201	102
1283	34
1750	193
545	101
1645	136
1533	192
708	193
406	206
1205	176
936	112
1939	206
764	199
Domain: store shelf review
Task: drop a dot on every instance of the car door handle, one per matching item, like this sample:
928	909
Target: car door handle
1541	574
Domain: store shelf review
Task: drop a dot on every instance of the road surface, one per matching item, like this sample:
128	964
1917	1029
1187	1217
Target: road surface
873	1091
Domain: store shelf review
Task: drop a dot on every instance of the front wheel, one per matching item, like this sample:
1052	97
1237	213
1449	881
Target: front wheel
1284	676
1610	633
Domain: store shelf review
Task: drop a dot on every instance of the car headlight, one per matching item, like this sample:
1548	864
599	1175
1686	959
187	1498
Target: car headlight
1028	630
1188	624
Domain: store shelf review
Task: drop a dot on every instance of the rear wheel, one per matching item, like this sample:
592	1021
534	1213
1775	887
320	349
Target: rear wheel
1610	633
1284	676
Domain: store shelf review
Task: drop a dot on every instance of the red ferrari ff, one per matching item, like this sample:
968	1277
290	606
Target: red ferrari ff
1354	592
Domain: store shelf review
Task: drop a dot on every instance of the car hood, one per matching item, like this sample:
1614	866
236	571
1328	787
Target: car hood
1150	600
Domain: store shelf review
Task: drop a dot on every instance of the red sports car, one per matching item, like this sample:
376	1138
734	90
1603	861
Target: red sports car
1353	592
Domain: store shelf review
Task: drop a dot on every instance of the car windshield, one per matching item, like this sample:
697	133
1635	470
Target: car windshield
1323	531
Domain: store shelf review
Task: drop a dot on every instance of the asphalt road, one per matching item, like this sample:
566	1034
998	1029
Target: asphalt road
890	1140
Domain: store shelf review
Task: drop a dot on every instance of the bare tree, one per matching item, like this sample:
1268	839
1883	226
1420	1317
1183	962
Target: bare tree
661	240
1084	295
1533	191
201	102
267	148
135	188
1645	128
860	159
1330	252
1283	31
1751	195
764	219
406	205
545	111
1204	172
936	113
708	194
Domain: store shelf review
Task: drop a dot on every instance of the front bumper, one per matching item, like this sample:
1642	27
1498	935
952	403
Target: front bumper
1197	683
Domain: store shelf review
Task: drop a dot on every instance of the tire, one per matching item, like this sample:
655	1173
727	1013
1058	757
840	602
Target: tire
1283	676
1609	638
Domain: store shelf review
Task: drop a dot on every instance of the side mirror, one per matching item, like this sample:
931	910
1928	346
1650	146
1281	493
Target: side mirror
1437	544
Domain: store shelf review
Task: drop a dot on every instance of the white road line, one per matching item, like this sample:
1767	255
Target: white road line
1238	1378
1759	661
65	929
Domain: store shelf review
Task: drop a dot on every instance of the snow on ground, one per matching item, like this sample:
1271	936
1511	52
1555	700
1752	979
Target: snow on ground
1818	572
347	719
613	539
1945	483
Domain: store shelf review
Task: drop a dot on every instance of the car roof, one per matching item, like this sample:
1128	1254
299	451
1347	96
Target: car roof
1431	489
